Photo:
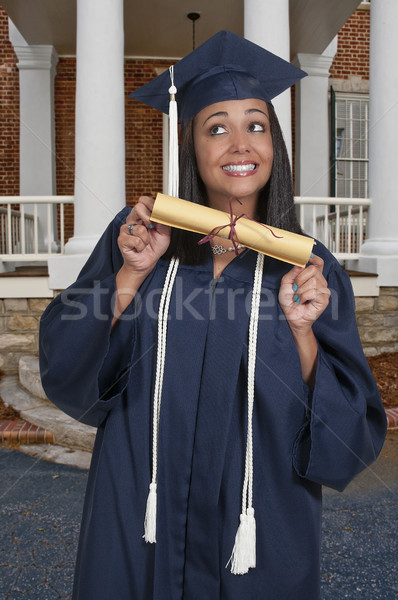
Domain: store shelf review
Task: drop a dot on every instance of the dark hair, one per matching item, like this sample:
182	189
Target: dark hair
275	203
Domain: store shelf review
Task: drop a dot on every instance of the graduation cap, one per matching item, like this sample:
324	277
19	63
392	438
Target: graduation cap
225	67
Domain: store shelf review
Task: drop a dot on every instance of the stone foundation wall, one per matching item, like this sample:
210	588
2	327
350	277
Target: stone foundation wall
377	320
19	330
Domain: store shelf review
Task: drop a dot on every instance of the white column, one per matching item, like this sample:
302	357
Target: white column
312	125
380	251
266	23
99	171
312	176
37	65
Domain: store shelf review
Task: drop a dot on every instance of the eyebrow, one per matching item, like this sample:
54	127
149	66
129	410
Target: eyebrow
225	114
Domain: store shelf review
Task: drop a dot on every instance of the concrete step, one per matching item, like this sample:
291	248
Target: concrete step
67	432
71	442
29	377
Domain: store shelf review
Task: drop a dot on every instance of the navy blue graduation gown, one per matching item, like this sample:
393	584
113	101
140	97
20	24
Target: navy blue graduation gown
302	440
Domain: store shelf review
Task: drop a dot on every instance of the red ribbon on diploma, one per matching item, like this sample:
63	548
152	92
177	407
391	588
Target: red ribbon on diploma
233	236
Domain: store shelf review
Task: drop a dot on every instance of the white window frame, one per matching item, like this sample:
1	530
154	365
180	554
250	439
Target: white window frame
347	144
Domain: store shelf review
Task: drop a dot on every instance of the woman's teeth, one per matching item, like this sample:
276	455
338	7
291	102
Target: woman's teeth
239	168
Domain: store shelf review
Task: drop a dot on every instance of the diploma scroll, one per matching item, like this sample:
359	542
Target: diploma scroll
283	245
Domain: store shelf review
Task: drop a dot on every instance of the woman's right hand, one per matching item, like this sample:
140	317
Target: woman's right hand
147	242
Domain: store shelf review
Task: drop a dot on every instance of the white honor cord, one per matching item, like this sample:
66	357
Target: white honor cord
151	507
243	555
244	552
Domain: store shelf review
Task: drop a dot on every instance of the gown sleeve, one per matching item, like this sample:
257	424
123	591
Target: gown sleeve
345	422
83	367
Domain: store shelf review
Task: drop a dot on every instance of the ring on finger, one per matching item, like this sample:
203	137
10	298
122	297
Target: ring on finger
131	227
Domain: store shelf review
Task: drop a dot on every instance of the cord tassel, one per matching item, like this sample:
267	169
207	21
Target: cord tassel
150	515
243	555
251	526
173	139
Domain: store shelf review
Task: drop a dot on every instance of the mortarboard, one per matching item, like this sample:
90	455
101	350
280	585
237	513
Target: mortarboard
225	67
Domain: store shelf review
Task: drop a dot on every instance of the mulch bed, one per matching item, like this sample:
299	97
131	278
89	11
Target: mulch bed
385	370
6	412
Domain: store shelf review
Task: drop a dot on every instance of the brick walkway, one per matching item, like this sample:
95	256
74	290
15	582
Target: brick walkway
22	432
392	418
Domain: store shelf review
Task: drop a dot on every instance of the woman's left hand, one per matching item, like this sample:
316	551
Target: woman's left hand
304	295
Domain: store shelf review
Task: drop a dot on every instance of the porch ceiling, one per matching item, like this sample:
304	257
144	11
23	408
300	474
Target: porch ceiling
162	29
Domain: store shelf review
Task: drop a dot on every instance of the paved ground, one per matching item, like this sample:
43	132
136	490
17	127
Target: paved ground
41	504
360	533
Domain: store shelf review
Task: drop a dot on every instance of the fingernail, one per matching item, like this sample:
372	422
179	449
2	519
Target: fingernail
298	301
295	287
295	297
311	255
150	226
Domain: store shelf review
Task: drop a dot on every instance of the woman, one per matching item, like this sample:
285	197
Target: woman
254	407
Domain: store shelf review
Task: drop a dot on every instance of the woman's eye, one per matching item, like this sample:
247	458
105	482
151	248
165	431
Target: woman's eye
256	127
217	130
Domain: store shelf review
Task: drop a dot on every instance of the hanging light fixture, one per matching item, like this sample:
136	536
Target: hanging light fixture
193	16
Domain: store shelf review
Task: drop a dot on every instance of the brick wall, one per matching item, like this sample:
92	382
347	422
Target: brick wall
64	102
352	57
9	113
144	173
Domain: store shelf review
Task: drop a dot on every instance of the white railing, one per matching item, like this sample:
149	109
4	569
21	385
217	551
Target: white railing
339	223
25	221
28	227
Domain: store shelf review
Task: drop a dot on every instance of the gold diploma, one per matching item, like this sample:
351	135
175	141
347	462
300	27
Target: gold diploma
278	243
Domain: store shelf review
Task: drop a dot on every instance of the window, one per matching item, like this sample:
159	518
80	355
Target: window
350	127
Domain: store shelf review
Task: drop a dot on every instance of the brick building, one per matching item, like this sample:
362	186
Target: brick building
330	126
349	71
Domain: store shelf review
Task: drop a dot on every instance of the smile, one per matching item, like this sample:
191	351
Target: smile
239	168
